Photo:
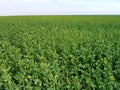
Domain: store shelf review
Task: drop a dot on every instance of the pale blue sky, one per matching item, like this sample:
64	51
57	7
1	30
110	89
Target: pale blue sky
48	7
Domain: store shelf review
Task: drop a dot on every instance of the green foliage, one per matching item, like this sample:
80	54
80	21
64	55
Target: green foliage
60	53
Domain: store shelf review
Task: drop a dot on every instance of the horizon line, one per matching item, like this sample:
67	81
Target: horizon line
62	15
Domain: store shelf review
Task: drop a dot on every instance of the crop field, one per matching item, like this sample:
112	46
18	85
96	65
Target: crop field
60	53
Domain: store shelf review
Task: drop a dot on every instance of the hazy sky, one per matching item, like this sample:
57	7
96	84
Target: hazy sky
45	7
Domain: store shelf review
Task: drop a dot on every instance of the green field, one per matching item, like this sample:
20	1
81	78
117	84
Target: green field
60	53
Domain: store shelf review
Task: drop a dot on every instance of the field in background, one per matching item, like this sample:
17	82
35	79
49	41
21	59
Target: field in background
60	53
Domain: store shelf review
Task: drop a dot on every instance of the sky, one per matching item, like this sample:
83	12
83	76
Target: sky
59	7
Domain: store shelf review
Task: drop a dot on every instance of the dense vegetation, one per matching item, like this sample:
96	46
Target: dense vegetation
60	53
